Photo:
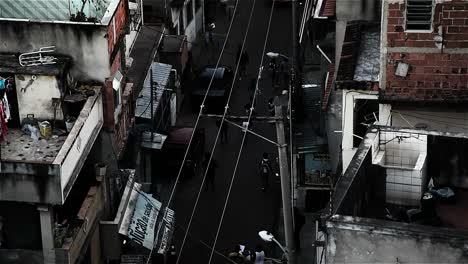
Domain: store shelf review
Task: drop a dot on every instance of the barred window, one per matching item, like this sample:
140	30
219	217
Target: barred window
419	14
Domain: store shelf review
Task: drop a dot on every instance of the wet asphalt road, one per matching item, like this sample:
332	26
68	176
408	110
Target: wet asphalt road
249	210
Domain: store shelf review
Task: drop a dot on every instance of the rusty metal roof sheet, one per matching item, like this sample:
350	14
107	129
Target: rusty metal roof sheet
328	8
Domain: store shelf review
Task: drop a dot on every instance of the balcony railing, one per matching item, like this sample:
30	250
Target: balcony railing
71	241
59	164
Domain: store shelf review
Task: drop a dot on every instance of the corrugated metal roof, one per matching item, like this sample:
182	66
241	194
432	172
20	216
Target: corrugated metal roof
51	10
161	74
368	61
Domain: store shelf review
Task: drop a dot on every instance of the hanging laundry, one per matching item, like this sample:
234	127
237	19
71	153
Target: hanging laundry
2	83
6	108
3	126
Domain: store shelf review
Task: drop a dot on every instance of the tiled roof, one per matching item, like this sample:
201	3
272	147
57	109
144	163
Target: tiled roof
328	8
51	10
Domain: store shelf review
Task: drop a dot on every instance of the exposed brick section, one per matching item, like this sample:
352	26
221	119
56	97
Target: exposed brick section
431	77
328	8
451	16
108	105
125	122
118	25
116	31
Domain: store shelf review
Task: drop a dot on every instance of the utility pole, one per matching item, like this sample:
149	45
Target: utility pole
285	182
279	102
294	59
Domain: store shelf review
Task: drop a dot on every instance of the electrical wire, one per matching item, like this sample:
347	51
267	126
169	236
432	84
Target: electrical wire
196	123
248	122
226	108
291	117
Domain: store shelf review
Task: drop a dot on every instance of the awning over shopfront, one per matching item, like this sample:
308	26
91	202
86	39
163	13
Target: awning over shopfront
143	221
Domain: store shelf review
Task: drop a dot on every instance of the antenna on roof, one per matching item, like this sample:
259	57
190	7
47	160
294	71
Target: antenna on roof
38	57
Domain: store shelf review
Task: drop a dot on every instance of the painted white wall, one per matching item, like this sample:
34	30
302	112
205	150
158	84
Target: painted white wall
385	114
190	29
88	132
349	100
35	93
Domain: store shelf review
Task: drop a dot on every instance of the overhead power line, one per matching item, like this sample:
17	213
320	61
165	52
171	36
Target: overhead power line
171	196
226	108
245	132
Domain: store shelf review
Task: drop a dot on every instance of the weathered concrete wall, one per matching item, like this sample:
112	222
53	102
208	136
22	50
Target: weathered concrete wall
33	183
86	44
381	243
357	9
35	93
21	225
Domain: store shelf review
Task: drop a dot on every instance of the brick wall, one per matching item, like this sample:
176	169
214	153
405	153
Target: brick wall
432	76
450	23
108	106
435	73
116	31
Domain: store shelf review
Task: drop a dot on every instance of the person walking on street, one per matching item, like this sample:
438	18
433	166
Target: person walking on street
271	107
258	257
244	61
224	132
264	170
237	256
210	172
274	72
238	54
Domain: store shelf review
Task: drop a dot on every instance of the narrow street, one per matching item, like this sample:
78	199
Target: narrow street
249	209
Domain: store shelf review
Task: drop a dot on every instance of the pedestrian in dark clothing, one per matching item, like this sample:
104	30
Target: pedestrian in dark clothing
224	132
210	172
238	53
244	61
274	72
247	109
271	107
236	255
299	221
253	84
264	169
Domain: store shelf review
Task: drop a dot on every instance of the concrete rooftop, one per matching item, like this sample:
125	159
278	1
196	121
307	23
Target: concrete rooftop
21	147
